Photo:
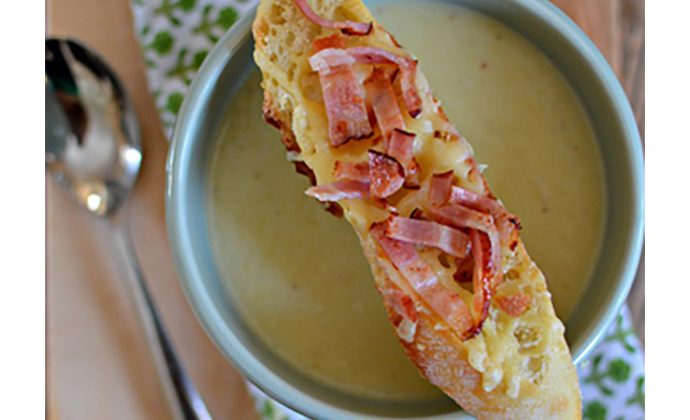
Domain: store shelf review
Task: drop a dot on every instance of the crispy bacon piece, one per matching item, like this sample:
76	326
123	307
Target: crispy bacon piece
408	85
383	101
408	73
401	147
481	280
375	55
442	191
347	27
464	270
383	173
345	107
339	190
328	59
478	202
343	97
515	304
462	217
447	304
440	188
431	234
352	171
386	174
332	41
402	303
507	223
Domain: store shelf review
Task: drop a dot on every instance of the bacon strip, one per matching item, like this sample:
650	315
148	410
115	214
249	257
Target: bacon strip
408	85
408	73
401	147
347	27
481	280
440	188
352	171
441	191
328	59
447	304
462	217
464	270
431	234
515	304
339	190
332	41
478	202
401	302
507	223
383	101
343	97
386	174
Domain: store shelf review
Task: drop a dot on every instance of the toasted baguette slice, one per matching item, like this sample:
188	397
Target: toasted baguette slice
515	366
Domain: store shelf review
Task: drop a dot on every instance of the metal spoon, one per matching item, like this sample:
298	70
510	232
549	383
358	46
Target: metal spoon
93	150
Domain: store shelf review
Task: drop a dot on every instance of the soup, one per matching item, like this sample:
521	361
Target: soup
297	274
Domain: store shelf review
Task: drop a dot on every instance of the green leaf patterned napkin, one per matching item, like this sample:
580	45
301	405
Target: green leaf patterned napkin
175	37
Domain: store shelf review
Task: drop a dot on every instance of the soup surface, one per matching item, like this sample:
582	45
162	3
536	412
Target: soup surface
297	273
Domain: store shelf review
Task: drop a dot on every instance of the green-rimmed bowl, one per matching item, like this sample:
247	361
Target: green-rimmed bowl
199	124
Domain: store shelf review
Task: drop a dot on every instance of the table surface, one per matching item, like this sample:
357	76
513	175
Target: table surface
98	362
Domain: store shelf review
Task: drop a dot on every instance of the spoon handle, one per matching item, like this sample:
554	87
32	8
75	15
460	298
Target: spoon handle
179	389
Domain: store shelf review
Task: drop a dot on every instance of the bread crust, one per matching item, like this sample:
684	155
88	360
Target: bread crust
438	353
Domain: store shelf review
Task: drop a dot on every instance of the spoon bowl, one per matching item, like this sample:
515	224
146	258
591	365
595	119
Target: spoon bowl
93	144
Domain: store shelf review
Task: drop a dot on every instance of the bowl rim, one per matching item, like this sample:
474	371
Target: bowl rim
223	336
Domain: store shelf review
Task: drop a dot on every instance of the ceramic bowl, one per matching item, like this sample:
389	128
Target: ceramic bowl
197	129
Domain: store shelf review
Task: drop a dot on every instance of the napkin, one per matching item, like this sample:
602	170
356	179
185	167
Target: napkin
175	37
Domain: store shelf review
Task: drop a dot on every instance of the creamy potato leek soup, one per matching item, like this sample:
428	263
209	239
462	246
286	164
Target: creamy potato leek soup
298	275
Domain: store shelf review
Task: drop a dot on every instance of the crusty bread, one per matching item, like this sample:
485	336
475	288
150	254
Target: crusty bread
516	367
